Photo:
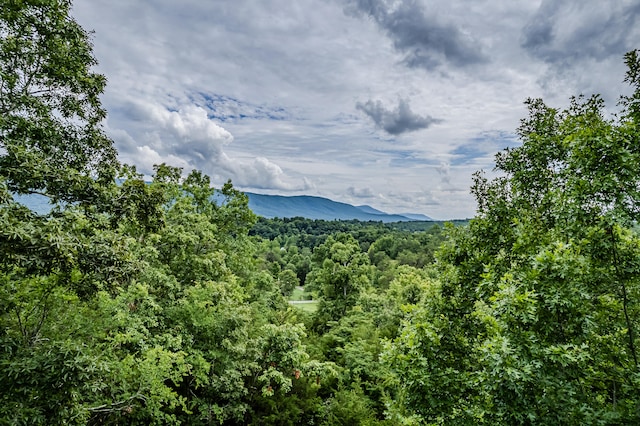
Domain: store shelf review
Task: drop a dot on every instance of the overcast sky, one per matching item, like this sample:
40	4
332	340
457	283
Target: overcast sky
393	104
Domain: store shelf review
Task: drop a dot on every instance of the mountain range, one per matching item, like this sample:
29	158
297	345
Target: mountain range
270	206
312	207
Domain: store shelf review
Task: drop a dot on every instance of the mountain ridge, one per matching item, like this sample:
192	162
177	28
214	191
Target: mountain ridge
271	206
315	207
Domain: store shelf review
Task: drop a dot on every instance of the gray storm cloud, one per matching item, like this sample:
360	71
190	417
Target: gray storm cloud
397	121
444	171
360	192
565	31
425	41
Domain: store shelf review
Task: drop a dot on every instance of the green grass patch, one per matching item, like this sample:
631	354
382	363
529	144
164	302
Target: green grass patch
298	294
310	307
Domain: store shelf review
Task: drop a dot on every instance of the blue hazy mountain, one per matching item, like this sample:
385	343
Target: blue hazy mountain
36	202
412	216
416	216
271	206
369	209
311	207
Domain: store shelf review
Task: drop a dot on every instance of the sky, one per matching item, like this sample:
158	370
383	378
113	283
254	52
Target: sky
392	104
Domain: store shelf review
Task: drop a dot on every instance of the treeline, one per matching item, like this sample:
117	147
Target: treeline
310	233
166	302
288	244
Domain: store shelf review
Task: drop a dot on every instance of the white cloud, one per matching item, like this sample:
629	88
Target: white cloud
266	93
264	174
188	138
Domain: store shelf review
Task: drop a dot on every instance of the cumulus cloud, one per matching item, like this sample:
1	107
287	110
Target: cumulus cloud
264	174
186	137
425	41
192	135
397	121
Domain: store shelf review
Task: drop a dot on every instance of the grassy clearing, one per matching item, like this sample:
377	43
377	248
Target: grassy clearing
311	307
300	299
298	294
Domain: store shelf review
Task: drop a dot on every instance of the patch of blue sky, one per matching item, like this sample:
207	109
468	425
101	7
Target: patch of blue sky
226	108
485	145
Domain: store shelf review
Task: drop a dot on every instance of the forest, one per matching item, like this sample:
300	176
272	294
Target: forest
168	302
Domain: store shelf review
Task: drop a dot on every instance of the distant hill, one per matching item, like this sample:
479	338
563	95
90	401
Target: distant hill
311	207
369	209
35	202
412	216
416	216
270	206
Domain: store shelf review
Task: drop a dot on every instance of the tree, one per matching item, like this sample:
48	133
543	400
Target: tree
288	281
342	272
135	303
535	317
51	143
51	140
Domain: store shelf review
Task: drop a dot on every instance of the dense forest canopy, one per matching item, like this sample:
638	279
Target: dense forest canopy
167	302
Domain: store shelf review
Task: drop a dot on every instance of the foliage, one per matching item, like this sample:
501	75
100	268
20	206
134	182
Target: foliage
51	141
343	272
129	303
535	318
310	233
164	302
